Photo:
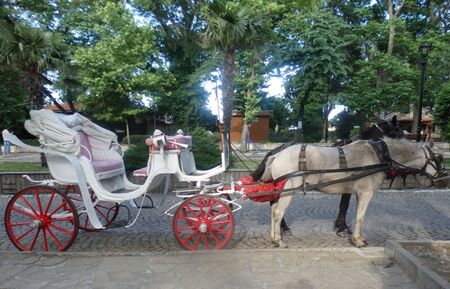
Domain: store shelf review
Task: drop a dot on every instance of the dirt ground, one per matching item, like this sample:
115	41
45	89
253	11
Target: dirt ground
434	256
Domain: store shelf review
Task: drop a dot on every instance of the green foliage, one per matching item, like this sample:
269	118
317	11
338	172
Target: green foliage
383	84
13	100
344	123
136	156
115	70
442	111
206	148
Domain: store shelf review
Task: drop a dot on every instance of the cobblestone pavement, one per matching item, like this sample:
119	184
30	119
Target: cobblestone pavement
400	215
343	268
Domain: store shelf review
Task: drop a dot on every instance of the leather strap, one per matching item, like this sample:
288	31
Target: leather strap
302	158
342	160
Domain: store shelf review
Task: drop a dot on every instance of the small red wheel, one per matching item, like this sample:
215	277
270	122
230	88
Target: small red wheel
203	222
106	211
41	219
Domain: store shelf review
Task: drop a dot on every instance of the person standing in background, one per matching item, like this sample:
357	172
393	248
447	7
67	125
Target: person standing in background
6	144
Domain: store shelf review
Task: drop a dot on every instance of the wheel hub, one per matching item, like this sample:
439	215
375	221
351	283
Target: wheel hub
203	227
36	224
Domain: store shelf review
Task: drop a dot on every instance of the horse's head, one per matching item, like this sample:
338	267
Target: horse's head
390	128
434	168
382	129
408	157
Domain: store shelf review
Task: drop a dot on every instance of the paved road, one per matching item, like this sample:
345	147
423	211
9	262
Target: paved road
400	215
283	269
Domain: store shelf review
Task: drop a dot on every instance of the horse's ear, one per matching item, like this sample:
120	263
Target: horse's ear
394	121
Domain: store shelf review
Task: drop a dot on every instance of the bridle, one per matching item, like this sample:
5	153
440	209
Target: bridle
431	159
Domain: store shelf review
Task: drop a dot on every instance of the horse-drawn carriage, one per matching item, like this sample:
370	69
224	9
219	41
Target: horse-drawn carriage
87	159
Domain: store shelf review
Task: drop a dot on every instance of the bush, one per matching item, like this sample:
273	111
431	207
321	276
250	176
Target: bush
206	148
135	139
282	136
136	156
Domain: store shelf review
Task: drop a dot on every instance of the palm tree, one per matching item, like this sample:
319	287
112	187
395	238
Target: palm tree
33	52
230	26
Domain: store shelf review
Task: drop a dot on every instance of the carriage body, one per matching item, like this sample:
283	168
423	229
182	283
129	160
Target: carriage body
87	159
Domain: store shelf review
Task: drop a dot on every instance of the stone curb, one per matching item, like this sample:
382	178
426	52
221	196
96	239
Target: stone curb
413	266
362	252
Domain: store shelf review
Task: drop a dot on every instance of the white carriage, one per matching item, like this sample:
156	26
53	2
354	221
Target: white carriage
87	159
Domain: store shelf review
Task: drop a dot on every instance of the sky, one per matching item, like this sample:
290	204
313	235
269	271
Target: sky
275	88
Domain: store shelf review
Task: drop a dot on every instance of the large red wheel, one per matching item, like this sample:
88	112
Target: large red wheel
41	219
106	211
203	223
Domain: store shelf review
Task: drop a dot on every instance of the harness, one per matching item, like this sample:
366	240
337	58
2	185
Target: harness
387	165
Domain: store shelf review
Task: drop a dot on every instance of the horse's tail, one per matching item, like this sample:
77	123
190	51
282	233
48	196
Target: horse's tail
267	174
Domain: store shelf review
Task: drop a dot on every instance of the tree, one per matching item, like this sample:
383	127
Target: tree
13	99
33	52
115	70
230	26
442	111
177	25
314	46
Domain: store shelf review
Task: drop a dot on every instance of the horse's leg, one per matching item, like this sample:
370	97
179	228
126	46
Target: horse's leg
342	230
363	199
284	226
278	211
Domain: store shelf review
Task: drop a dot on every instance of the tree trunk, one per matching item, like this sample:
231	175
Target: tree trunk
228	76
391	39
127	127
244	138
301	115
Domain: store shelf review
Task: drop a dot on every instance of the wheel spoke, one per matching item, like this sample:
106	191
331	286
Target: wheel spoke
101	214
197	241
38	199
24	234
34	239
192	212
211	205
189	237
206	241
58	243
44	232
219	230
218	242
57	208
70	233
49	204
185	228
69	219
20	224
220	222
23	212
29	205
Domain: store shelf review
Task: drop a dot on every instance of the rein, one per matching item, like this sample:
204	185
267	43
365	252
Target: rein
386	164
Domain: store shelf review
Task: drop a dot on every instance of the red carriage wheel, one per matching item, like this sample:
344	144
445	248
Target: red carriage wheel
106	211
41	219
203	223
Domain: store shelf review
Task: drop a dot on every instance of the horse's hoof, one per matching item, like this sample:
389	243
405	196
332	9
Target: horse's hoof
343	233
359	244
287	232
279	244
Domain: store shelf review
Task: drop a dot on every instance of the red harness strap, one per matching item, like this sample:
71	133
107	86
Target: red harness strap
250	187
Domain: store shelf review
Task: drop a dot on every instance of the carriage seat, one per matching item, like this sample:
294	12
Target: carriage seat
181	139
103	167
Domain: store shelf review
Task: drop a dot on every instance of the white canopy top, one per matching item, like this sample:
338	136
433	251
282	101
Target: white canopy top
60	132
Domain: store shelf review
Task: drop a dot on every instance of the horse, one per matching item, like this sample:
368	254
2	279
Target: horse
372	161
375	132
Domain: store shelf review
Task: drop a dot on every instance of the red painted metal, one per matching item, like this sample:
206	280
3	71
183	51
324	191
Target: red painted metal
203	223
41	219
106	211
